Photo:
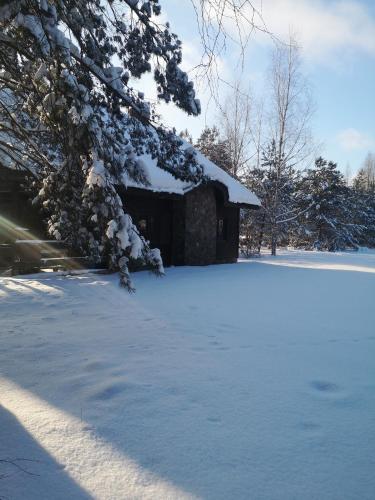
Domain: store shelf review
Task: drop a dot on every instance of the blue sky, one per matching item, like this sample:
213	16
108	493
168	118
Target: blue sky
338	53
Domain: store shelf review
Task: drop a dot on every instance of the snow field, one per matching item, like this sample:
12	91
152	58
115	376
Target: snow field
248	381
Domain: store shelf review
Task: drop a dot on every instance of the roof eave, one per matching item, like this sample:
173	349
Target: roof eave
249	206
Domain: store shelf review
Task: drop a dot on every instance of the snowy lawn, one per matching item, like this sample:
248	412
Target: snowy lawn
248	381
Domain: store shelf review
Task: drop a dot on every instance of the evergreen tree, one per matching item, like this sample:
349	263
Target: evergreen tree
274	183
364	215
365	179
360	181
364	193
214	148
330	220
253	231
69	115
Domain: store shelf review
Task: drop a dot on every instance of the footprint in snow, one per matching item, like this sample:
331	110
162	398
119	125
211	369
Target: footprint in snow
308	426
93	365
214	420
109	392
60	466
324	386
173	391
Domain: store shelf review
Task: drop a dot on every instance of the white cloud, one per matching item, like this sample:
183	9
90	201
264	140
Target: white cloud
327	30
352	139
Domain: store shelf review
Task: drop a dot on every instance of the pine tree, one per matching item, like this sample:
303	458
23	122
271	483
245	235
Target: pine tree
364	215
364	193
214	148
69	116
253	231
365	179
274	183
330	221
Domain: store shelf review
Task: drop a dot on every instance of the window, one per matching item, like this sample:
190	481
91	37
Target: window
222	229
145	225
142	225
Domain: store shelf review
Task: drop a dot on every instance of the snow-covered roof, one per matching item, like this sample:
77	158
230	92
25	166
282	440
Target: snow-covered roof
237	192
162	181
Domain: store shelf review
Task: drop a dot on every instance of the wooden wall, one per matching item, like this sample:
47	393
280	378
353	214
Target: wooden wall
154	216
16	209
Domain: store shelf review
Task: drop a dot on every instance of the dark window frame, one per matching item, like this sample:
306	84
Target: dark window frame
222	229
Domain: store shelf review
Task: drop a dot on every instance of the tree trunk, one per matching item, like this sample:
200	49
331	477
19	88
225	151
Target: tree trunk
261	234
273	247
273	241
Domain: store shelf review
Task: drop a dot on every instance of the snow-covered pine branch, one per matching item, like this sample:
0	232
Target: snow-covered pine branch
73	120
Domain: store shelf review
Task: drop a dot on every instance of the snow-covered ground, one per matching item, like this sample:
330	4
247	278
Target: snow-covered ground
248	381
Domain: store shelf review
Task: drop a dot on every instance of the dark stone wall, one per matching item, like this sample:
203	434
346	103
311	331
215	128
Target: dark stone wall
200	226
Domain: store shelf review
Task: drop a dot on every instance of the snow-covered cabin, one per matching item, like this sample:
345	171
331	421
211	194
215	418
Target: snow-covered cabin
192	224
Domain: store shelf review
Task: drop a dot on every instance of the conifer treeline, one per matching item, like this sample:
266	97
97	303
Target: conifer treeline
311	209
